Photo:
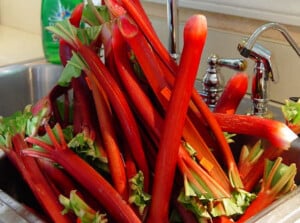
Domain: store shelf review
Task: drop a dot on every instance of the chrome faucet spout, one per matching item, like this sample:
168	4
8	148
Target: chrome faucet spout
263	68
245	49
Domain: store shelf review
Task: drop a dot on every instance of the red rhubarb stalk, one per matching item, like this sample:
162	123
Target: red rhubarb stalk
91	180
278	133
278	180
194	35
139	98
57	176
36	180
138	14
145	56
120	106
252	173
233	93
76	15
65	50
115	160
225	149
215	189
151	117
115	95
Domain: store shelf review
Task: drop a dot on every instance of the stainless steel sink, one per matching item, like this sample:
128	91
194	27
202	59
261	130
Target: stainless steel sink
22	84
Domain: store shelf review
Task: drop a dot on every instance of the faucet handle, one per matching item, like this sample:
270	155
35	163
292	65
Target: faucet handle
212	80
235	64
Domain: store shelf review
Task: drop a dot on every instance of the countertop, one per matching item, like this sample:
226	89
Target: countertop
19	46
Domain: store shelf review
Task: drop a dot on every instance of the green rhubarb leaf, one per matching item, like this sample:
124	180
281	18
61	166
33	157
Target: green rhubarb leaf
93	32
91	13
229	137
16	123
137	67
197	206
86	148
62	109
278	177
251	154
33	123
291	111
89	34
192	190
188	189
67	131
208	208
137	195
234	178
72	70
82	145
189	149
81	209
237	203
65	30
23	123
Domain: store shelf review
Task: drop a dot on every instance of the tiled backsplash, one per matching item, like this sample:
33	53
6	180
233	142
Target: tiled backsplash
225	32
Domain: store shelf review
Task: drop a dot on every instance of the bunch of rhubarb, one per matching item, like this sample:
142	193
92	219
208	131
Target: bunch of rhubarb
124	136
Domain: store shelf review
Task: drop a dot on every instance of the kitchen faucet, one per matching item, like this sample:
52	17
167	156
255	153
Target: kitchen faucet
263	68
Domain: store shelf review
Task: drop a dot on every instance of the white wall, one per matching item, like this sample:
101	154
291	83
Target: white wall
225	32
23	15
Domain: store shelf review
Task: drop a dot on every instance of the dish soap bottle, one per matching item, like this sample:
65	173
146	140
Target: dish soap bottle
53	11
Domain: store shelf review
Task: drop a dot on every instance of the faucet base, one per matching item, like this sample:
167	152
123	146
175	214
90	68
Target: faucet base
260	108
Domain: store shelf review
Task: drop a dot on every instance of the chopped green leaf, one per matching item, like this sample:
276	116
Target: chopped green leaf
204	208
229	137
65	30
278	177
71	70
291	111
81	209
23	123
86	149
90	17
138	196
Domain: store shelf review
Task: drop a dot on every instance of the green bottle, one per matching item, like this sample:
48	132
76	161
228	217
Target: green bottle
53	11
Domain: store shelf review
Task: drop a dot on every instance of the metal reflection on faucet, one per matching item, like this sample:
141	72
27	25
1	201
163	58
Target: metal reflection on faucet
212	82
263	67
246	47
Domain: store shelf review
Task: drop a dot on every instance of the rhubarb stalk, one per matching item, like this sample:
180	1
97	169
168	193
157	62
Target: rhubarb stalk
194	35
91	180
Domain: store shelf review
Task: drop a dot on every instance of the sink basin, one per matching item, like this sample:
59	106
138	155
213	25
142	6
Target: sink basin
23	84
20	85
